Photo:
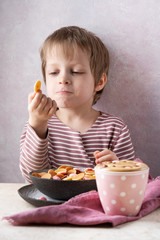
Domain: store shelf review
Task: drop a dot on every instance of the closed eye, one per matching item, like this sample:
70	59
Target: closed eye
75	72
53	73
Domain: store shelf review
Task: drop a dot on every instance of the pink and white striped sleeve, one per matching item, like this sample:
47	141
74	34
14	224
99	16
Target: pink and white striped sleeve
123	146
33	152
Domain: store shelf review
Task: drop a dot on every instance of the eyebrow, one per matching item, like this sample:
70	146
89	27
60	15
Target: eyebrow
55	64
51	64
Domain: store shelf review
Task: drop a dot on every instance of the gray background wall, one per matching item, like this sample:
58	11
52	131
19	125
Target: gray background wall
130	29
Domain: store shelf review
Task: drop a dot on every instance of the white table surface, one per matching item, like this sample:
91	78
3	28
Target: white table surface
147	228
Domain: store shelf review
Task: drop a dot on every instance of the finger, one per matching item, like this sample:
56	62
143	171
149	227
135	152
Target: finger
43	101
47	106
51	112
95	154
31	97
105	155
102	153
37	99
35	103
53	109
108	158
40	101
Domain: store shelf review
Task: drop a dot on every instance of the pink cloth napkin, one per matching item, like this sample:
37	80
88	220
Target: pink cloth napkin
85	209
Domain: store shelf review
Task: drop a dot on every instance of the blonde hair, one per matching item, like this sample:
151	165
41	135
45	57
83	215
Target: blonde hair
75	36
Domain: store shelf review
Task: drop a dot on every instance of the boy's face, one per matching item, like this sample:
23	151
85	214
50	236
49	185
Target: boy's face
69	80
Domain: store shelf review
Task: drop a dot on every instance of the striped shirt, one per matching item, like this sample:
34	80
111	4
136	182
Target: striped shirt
64	146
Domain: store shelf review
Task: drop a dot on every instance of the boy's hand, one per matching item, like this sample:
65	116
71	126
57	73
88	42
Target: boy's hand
105	155
41	108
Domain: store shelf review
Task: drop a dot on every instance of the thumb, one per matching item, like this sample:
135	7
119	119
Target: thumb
31	97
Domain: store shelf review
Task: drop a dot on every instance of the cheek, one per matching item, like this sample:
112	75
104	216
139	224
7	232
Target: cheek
50	90
86	85
87	92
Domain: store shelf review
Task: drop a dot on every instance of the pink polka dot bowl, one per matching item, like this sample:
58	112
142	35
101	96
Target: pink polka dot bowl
121	193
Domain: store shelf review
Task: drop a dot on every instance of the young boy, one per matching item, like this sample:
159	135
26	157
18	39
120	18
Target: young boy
63	127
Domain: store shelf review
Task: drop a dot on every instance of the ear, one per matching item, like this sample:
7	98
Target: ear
101	83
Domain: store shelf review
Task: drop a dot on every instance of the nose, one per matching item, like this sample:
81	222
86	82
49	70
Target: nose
64	79
65	82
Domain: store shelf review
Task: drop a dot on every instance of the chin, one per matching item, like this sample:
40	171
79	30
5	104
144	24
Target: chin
64	105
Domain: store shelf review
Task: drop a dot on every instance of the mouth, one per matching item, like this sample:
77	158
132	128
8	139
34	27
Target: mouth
63	92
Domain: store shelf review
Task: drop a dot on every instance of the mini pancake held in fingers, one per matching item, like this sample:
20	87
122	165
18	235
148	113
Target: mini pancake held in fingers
37	86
